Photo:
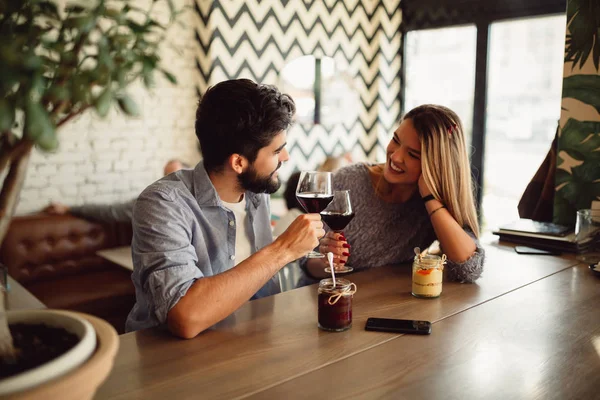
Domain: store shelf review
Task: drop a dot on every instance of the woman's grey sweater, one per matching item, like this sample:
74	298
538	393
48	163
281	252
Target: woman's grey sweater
384	233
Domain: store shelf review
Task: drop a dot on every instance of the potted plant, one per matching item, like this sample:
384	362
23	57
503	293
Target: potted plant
58	61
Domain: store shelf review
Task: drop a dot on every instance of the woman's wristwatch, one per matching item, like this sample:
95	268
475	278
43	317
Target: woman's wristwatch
427	198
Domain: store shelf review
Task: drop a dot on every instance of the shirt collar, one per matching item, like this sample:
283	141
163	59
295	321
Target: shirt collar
206	194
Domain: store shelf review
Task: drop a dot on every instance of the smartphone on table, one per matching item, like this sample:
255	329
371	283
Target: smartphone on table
398	326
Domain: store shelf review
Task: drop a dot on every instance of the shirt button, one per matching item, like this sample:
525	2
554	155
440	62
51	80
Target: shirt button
232	257
231	223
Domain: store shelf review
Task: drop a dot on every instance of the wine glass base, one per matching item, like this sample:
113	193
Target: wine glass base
314	254
343	270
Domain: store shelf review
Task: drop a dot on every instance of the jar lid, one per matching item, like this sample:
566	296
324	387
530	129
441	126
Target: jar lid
341	284
430	260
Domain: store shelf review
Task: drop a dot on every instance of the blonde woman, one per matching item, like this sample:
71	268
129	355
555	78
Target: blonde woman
423	192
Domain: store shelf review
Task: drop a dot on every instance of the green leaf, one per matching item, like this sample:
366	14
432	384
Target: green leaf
585	88
170	77
31	62
38	86
562	177
79	92
38	126
148	79
581	141
49	8
120	41
7	115
59	93
574	154
84	23
564	212
121	75
150	61
112	13
153	23
136	28
74	8
104	58
103	102
48	142
580	136
587	173
128	106
582	17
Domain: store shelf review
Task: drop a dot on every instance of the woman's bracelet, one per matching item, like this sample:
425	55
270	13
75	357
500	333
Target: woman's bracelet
437	209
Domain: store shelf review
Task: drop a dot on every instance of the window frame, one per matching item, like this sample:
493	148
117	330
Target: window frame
429	14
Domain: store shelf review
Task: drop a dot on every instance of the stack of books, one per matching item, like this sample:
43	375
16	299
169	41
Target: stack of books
541	235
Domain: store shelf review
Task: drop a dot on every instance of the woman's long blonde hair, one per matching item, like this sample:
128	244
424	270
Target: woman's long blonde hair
445	162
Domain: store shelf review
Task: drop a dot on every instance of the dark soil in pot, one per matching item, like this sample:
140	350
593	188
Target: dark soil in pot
36	344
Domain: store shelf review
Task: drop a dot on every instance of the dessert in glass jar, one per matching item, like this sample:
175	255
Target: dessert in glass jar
427	275
335	304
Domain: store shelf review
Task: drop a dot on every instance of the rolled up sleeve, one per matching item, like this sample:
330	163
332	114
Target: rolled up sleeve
471	269
165	261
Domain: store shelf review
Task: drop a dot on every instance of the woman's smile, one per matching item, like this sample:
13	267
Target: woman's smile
395	167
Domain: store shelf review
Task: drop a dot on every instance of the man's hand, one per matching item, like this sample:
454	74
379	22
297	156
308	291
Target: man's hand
302	235
337	244
56	209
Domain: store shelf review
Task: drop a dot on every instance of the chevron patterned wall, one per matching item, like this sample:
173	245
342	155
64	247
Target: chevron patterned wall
254	39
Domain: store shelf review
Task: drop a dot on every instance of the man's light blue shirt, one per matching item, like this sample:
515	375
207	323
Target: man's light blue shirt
182	232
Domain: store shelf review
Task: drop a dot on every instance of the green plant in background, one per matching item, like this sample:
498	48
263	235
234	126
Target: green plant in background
56	62
577	189
580	185
583	20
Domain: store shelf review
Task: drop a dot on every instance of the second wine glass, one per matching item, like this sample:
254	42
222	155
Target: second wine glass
314	193
337	216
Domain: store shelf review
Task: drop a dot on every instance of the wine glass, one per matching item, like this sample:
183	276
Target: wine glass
337	216
314	194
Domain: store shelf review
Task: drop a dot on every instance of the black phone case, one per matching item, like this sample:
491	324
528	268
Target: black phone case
387	325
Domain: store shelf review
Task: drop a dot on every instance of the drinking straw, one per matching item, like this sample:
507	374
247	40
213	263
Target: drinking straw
330	259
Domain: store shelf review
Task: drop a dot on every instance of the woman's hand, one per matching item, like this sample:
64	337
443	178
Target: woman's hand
336	243
423	188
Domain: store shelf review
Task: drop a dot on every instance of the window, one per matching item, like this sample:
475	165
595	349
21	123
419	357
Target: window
523	109
323	91
440	69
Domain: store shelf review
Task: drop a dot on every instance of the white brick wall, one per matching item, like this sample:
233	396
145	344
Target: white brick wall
114	159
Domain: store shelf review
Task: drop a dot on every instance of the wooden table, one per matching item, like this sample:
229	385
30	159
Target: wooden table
118	255
275	340
19	298
541	341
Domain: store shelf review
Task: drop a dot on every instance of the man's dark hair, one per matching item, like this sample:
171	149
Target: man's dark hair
240	116
291	201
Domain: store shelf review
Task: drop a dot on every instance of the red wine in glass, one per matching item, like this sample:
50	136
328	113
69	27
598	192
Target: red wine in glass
314	193
335	220
314	202
337	216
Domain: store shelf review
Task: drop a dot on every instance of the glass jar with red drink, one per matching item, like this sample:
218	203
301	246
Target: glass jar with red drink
335	304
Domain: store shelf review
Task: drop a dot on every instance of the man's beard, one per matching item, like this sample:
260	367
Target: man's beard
251	181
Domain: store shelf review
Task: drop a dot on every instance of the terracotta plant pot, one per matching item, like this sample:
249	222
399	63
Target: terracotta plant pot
79	381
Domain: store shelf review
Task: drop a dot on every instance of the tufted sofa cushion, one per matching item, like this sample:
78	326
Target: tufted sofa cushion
39	247
54	257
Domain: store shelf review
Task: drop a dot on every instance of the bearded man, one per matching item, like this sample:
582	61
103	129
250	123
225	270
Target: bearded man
202	243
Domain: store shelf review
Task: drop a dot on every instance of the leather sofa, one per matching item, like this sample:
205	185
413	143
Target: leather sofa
54	257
